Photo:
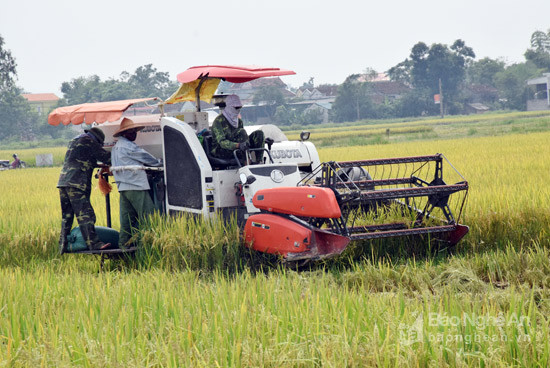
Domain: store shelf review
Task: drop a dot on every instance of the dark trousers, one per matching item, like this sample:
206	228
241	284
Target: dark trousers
77	202
135	206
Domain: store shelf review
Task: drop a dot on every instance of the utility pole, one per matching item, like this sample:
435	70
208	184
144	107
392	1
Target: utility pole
440	99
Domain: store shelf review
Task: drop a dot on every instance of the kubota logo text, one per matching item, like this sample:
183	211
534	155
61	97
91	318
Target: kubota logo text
288	153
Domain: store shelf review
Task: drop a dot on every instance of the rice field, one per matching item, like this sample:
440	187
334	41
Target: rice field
196	297
388	132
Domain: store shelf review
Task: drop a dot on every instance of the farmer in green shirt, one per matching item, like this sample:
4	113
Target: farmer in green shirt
229	135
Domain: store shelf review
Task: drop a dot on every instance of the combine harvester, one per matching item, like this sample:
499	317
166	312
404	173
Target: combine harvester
292	204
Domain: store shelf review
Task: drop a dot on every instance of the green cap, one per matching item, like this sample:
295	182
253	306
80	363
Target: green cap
98	133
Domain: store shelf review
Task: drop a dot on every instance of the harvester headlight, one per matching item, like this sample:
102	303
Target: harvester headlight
247	179
304	136
277	176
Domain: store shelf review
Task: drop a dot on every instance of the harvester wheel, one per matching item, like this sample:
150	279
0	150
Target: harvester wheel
298	266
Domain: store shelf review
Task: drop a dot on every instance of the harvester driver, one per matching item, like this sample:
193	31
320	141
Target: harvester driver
229	135
135	202
75	187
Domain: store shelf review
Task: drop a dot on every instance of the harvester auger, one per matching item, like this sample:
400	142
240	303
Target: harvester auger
339	202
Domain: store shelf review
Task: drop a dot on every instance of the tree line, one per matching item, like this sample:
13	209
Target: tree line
429	69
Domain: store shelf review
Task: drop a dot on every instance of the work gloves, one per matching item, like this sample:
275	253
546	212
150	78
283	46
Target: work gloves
243	146
269	142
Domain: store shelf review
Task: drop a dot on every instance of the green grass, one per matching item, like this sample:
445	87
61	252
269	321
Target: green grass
418	313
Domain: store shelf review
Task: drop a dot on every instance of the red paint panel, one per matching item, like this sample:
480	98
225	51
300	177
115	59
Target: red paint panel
459	233
231	73
298	201
275	234
330	244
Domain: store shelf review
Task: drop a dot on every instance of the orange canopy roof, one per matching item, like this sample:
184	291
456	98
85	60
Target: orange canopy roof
88	113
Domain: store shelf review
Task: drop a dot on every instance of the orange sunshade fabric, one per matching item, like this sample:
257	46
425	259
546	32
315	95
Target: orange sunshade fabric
88	113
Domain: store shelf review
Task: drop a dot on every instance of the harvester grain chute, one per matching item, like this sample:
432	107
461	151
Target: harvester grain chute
291	205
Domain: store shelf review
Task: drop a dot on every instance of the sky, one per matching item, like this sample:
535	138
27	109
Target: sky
54	41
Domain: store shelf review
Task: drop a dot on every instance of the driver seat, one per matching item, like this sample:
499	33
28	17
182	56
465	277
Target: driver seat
216	162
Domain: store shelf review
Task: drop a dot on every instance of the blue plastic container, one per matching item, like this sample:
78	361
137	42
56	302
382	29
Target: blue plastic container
77	243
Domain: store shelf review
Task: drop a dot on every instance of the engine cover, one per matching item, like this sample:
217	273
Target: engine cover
279	235
298	201
275	234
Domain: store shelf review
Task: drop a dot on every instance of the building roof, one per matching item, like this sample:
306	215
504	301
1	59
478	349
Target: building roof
545	79
328	89
39	97
478	106
326	103
389	88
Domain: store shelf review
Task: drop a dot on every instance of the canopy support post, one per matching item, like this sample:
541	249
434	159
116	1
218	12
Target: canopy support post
107	202
198	93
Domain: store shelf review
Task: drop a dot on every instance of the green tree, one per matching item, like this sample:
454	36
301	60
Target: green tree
309	84
353	101
539	53
17	119
269	97
512	86
93	89
426	66
145	82
415	103
8	66
401	72
483	71
148	82
287	115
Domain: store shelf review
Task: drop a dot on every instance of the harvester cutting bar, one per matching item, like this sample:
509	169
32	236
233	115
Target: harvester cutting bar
390	161
378	227
403	232
406	192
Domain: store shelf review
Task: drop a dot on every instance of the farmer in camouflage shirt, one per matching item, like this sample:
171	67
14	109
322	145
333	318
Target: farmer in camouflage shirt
229	134
75	186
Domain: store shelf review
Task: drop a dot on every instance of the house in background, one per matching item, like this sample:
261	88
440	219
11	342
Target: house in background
42	103
317	99
310	94
386	91
382	89
320	106
261	113
475	108
247	90
540	88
